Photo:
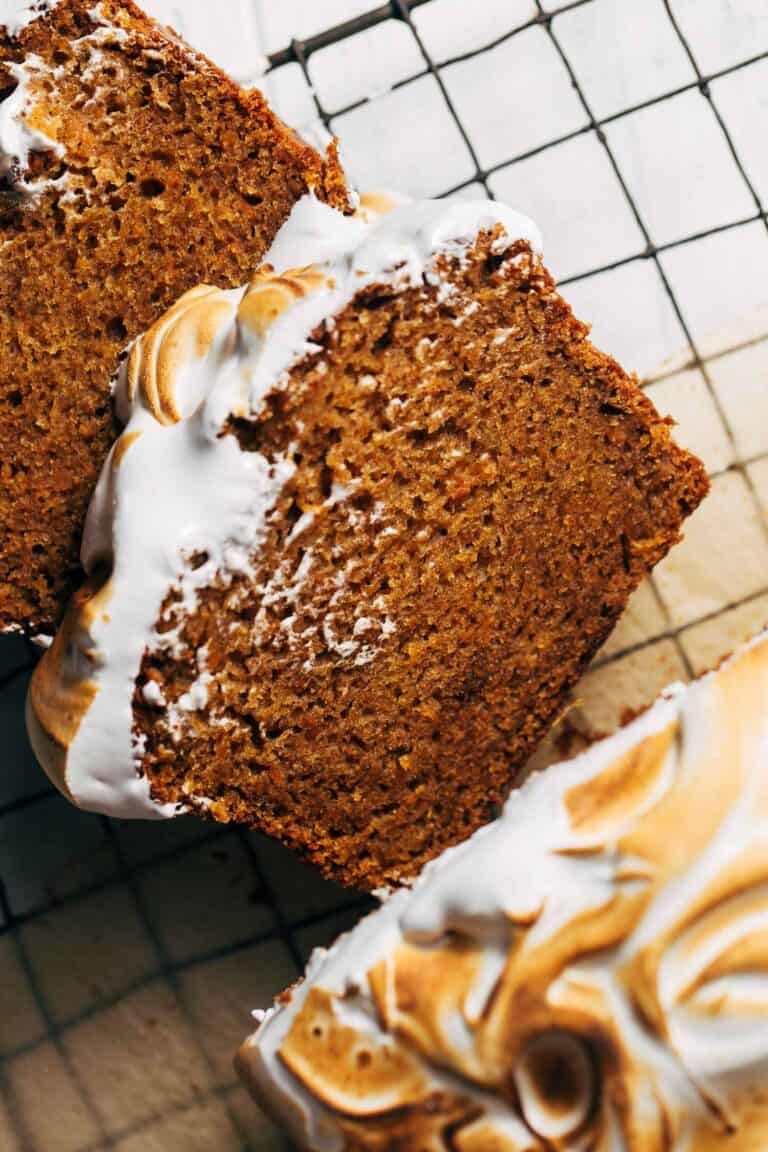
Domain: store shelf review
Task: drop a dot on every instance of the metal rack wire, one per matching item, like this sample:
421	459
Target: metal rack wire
116	858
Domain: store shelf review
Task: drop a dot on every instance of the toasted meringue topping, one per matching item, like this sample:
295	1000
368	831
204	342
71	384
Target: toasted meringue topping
556	1085
269	295
178	487
158	361
589	972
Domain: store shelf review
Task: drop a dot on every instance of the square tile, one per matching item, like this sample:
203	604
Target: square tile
591	226
740	380
50	850
643	619
221	994
22	1020
324	932
21	775
723	557
365	65
731	31
65	1121
699	427
538	105
419	149
299	889
623	53
719	283
630	313
708	643
758	475
88	952
205	899
260	1133
290	95
203	1128
742	100
676	163
138	1059
446	31
605	697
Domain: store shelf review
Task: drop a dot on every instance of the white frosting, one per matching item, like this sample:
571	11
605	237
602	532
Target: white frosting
18	138
652	846
15	15
171	490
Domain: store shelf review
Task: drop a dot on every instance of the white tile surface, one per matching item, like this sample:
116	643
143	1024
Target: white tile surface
675	161
722	559
623	52
593	224
453	27
722	32
643	620
606	696
742	99
630	313
687	399
758	475
708	643
290	95
365	65
420	154
719	281
741	383
504	121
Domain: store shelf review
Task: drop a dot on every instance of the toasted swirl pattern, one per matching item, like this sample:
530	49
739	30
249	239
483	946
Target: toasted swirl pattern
591	972
161	361
158	359
269	295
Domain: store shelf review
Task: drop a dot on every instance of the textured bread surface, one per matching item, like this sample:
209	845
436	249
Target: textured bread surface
170	174
477	491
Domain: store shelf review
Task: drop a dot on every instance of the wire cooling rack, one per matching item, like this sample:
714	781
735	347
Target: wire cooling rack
130	954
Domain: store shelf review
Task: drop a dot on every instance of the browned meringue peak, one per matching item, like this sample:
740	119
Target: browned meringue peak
159	357
268	295
588	973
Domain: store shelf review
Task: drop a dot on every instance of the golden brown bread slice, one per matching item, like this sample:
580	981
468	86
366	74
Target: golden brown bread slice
368	520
